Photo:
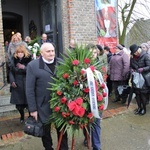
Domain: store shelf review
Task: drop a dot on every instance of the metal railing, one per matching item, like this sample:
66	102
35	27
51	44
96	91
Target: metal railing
2	65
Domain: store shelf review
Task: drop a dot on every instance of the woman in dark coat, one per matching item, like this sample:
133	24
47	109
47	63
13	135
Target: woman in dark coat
140	62
17	77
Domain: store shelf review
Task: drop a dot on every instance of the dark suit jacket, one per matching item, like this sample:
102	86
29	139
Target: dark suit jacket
38	96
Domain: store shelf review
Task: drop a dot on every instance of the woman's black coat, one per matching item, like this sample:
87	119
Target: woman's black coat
19	77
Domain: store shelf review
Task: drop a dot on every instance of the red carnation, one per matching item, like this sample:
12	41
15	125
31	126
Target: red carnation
75	62
104	94
75	82
103	85
67	114
79	101
99	98
63	100
82	72
63	114
71	105
86	90
65	75
90	115
71	122
86	60
92	68
101	107
57	108
59	93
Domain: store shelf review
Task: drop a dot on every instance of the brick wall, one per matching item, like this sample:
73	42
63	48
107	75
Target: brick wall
78	21
2	54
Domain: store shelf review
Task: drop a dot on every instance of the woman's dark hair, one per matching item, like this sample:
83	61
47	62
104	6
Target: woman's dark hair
99	47
107	48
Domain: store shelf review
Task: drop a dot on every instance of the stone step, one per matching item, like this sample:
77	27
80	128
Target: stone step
5	107
4	100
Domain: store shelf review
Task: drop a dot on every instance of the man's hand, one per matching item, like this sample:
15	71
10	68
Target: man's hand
34	114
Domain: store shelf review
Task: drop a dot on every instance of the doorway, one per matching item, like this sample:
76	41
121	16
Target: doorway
12	23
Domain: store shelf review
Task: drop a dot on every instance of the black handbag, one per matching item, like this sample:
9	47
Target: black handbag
33	127
147	78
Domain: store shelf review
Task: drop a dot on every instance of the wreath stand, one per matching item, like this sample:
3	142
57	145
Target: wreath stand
73	141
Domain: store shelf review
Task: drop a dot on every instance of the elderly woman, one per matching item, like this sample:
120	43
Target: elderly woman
146	48
140	62
118	70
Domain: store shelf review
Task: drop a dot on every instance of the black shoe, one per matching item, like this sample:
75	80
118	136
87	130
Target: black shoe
117	100
137	111
142	112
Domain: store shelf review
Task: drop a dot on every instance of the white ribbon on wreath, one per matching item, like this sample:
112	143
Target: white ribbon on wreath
92	92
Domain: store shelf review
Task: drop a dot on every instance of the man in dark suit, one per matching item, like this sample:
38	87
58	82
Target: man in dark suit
39	74
44	39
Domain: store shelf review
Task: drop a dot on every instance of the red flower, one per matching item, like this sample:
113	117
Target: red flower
99	98
71	122
103	85
86	60
82	72
75	82
67	114
57	108
75	62
63	114
63	100
101	107
71	105
76	109
65	75
92	68
79	101
81	112
104	94
59	93
90	115
86	90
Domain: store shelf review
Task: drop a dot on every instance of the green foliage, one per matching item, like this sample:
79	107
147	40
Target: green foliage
70	102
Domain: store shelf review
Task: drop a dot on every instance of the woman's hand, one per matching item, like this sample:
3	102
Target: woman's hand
20	66
13	85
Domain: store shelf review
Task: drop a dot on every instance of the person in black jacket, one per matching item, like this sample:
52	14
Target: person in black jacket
44	39
140	62
40	73
17	76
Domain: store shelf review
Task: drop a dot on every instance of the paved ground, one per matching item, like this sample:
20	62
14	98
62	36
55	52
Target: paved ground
124	131
121	130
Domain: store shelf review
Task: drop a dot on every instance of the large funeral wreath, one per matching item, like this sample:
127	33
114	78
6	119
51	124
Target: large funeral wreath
71	102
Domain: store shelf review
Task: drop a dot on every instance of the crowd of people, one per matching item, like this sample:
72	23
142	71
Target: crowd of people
29	79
